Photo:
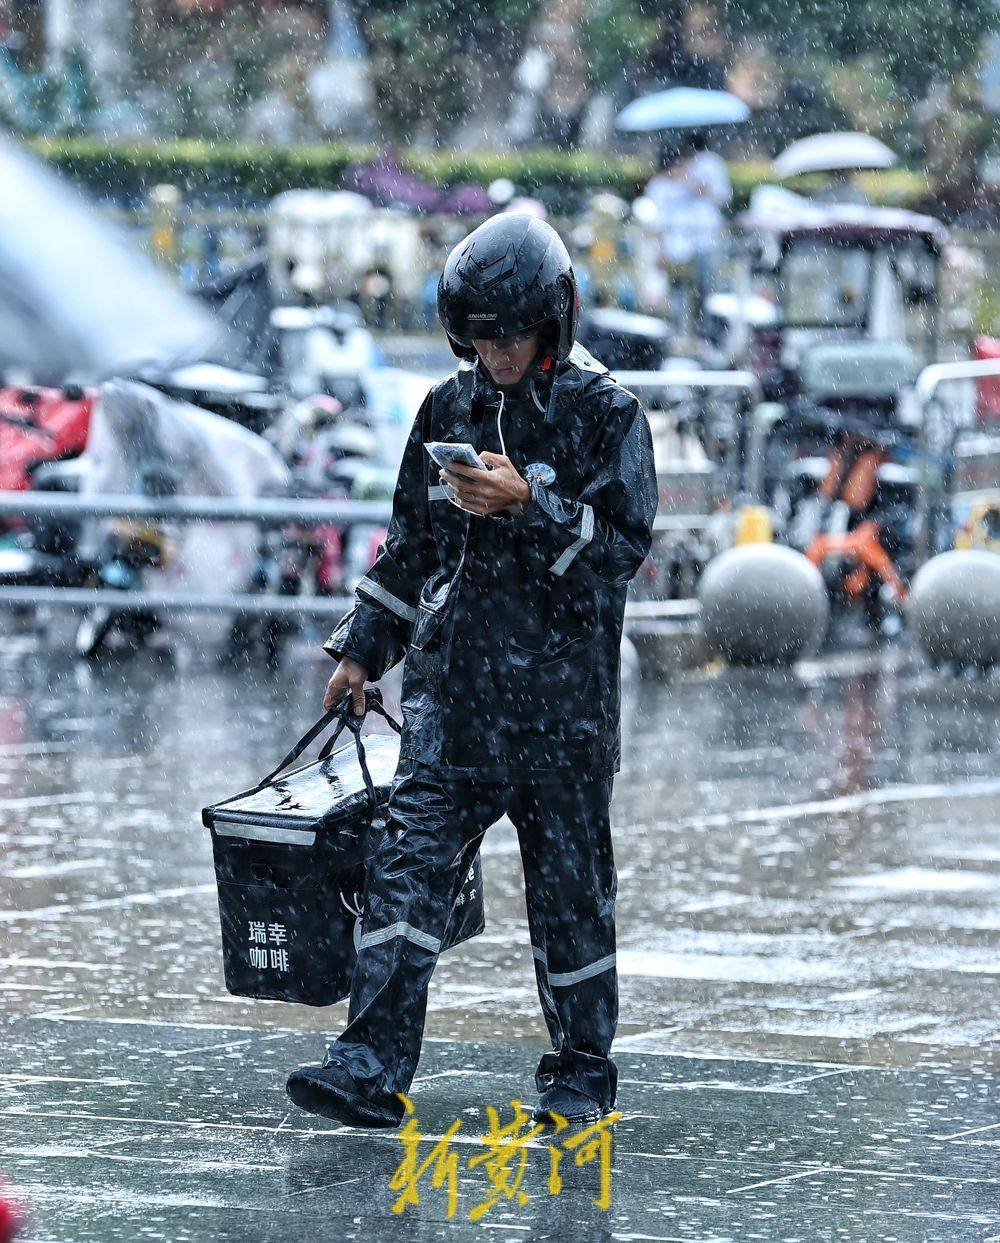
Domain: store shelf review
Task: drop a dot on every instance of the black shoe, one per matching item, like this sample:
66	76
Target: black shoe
332	1092
572	1105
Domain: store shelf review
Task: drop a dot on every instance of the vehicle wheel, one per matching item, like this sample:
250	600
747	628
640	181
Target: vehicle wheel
93	630
273	639
241	646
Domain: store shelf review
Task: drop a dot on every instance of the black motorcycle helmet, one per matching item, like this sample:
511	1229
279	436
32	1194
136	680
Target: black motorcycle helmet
511	275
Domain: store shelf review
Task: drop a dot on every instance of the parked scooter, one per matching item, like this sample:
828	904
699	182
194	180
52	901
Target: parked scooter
302	559
40	425
42	430
45	552
287	557
130	549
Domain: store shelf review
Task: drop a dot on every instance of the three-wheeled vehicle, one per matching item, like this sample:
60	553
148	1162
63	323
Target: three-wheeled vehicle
855	291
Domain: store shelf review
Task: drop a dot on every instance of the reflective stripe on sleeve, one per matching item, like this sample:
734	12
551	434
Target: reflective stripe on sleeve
437	492
586	535
371	588
423	939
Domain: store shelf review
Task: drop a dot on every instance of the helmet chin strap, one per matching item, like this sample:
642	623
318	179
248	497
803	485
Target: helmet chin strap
543	368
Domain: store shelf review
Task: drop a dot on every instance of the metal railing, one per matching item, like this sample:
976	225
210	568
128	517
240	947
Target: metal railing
264	511
276	511
710	381
926	388
641	616
267	511
933	376
265	605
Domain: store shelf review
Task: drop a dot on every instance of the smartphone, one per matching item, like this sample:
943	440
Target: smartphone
446	452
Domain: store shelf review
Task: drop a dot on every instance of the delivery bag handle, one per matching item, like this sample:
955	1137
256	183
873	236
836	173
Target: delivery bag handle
347	717
353	722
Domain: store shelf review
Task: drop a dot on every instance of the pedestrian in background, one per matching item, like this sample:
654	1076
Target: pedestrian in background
689	192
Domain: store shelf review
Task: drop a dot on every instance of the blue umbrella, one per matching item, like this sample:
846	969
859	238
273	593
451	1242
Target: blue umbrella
682	106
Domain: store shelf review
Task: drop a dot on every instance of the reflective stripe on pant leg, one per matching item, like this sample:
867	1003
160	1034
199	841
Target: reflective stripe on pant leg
565	837
563	979
423	939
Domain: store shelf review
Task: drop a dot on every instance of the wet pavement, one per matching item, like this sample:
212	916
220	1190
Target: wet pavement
809	901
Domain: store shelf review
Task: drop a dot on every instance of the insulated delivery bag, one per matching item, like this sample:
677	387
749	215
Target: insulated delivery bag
291	861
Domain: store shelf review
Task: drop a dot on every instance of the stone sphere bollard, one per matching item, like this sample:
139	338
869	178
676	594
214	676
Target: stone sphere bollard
954	608
762	604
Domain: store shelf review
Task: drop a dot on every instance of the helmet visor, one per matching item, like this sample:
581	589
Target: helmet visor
506	338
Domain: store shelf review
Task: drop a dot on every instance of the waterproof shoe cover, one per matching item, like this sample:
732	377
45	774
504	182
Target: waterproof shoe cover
332	1092
558	1098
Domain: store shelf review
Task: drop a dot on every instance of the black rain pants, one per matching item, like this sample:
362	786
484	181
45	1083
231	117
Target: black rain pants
434	828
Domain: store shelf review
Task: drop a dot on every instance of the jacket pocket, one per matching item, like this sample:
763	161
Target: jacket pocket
529	649
550	673
436	597
435	590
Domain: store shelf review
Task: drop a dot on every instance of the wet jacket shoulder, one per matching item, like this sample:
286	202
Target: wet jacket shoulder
596	518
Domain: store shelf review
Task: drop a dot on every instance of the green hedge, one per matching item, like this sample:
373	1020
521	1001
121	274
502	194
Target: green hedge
262	171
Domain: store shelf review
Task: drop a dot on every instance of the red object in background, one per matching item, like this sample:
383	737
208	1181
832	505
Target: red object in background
40	425
987	387
11	1220
330	568
375	542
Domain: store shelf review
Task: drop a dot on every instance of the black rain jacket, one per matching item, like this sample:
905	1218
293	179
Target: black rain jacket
511	624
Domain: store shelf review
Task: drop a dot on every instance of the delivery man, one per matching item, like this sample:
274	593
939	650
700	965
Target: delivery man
505	590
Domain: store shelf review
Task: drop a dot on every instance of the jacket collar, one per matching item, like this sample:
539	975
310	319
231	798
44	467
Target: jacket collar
574	374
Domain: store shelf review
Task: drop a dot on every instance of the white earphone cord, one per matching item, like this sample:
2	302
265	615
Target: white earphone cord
503	448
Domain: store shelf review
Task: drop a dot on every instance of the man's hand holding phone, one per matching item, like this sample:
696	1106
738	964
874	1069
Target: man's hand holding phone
482	483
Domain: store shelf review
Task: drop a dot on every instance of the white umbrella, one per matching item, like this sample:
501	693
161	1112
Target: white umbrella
682	107
77	297
824	153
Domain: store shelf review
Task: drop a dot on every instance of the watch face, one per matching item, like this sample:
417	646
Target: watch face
539	472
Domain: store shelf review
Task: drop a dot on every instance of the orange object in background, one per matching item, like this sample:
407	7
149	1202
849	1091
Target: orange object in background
987	387
40	425
753	525
861	545
858	489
